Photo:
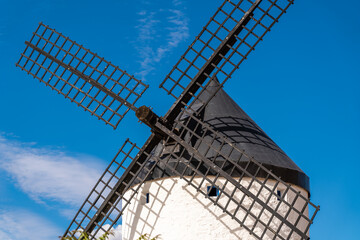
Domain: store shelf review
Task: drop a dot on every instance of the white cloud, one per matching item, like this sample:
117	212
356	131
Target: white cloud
147	25
116	232
180	30
47	174
19	225
155	39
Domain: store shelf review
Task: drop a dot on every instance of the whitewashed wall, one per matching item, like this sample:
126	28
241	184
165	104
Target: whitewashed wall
177	212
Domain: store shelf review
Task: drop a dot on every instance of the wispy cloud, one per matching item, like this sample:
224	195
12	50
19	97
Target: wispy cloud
21	224
116	232
157	37
47	174
180	30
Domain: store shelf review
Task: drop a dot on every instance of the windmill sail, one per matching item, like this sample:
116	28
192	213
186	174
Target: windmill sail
80	75
106	203
224	43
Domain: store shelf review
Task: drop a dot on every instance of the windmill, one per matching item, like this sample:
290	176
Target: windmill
206	168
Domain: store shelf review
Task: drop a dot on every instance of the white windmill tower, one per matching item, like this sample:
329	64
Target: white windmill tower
207	171
167	206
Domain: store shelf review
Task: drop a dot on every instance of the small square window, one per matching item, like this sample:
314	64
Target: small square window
212	191
280	195
147	198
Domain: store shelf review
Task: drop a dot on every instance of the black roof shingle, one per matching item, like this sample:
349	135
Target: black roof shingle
227	118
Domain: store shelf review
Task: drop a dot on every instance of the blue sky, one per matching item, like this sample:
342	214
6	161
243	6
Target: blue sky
301	85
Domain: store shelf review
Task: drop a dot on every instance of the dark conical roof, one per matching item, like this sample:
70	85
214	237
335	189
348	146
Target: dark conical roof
227	118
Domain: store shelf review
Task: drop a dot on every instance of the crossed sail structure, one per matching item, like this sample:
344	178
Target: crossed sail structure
204	151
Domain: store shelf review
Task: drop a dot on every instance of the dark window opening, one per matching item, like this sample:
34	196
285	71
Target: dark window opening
212	191
279	194
147	198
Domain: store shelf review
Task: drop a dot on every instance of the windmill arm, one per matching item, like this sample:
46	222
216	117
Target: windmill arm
128	168
80	75
220	48
209	66
83	76
126	181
